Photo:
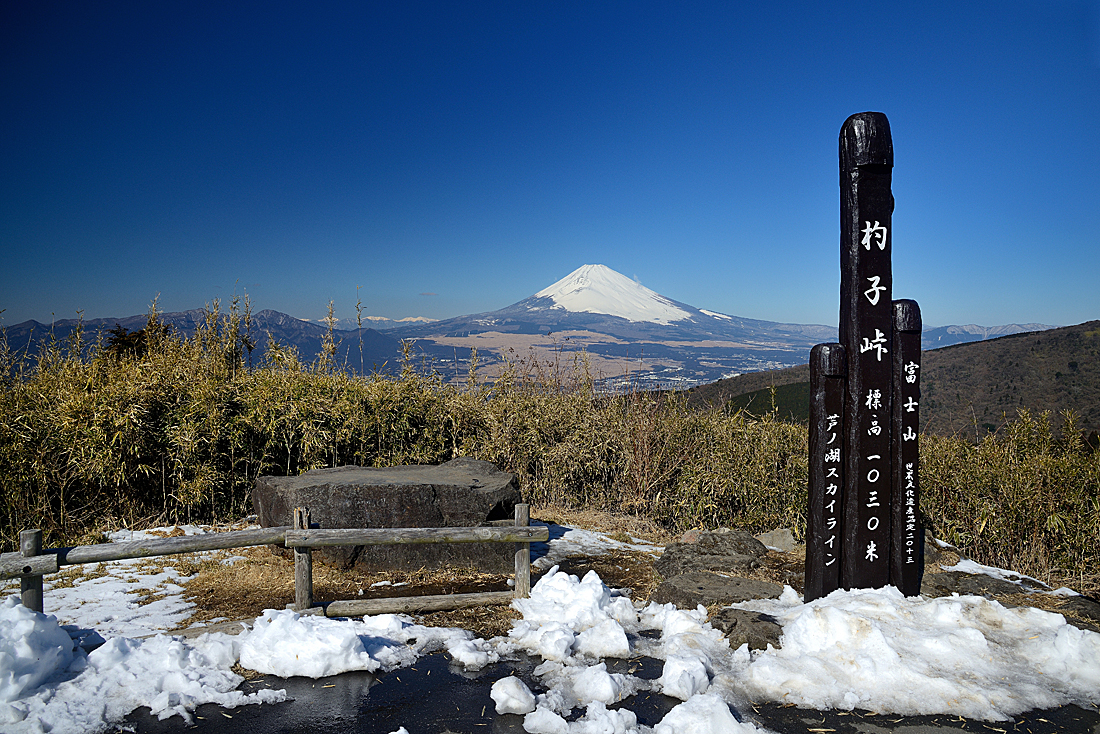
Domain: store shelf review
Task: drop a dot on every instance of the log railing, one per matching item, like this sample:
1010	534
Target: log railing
32	561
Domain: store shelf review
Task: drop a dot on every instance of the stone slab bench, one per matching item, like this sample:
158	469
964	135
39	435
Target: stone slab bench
459	493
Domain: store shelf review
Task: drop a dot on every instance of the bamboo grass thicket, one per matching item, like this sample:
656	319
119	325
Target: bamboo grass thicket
170	429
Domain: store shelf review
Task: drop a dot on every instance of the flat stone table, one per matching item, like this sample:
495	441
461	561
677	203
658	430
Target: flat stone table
459	493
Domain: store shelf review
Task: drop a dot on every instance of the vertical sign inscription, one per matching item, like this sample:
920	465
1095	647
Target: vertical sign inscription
823	521
866	332
907	547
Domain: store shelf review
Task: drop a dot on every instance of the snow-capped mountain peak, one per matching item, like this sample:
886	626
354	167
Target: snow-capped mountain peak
599	289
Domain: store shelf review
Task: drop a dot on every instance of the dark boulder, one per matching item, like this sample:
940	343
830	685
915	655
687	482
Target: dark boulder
1082	612
689	590
711	550
977	584
460	493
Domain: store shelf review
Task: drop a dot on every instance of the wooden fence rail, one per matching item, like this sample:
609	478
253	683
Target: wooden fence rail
33	561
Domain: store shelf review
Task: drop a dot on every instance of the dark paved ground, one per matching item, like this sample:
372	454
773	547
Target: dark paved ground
435	697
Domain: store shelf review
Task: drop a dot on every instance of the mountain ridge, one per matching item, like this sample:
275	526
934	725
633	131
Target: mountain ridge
973	388
631	336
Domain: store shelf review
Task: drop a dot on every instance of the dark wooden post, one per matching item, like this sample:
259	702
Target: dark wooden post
30	587
303	565
823	522
523	554
907	547
866	331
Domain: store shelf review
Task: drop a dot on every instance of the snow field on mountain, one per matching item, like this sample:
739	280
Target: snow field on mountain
599	289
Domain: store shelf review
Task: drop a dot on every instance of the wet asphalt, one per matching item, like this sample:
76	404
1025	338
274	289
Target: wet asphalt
438	697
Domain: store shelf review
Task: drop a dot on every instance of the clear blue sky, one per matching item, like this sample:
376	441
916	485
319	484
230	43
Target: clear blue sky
454	158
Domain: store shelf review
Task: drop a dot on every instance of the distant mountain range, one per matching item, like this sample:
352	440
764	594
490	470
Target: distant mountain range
630	335
380	351
945	336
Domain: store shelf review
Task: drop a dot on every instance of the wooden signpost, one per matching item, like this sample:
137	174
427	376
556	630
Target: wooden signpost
876	540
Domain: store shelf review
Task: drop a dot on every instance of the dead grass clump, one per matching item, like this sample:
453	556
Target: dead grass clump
245	673
241	590
265	580
619	526
486	622
174	532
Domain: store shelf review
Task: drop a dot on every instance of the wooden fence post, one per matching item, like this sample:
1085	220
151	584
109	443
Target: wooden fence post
30	587
303	565
523	555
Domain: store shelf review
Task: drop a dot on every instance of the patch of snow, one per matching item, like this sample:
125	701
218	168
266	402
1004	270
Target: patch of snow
574	542
1064	591
717	315
876	649
50	685
512	696
968	566
599	289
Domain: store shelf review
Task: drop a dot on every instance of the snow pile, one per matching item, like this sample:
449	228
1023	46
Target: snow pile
706	714
286	644
512	696
48	685
599	289
868	649
33	648
878	650
573	624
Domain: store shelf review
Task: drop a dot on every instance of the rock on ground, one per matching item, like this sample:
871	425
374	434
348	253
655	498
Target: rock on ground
949	582
689	590
711	550
742	627
781	539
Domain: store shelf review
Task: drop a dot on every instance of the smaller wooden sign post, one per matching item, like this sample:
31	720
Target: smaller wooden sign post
823	536
907	543
879	536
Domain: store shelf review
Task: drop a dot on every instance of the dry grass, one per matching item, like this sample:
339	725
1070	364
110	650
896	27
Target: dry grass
172	430
265	580
618	526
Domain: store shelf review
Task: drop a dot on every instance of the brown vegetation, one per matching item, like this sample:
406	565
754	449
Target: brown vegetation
179	429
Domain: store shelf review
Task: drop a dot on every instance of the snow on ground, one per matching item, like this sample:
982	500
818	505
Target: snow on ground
573	542
880	651
868	649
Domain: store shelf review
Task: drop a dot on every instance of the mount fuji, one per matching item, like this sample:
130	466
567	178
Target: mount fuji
627	330
596	298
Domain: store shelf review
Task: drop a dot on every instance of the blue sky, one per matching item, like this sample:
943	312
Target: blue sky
455	158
